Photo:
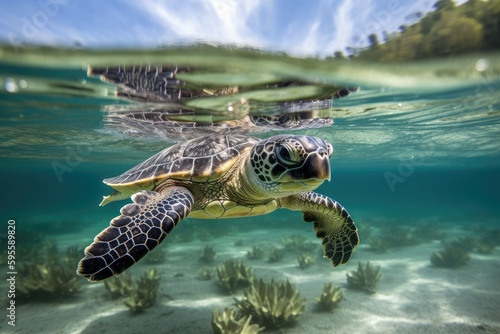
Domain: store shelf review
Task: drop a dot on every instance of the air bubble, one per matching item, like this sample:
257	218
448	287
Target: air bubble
11	86
482	64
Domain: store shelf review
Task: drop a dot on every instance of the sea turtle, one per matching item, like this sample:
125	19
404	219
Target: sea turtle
219	177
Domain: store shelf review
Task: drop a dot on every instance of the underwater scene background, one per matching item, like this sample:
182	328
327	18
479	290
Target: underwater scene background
416	163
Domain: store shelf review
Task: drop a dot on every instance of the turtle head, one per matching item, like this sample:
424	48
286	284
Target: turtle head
288	164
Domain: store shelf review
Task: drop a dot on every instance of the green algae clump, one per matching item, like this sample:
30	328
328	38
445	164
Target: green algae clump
365	278
330	298
450	257
229	321
144	292
277	304
233	274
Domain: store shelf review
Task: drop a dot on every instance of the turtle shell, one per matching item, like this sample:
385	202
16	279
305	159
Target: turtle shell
199	160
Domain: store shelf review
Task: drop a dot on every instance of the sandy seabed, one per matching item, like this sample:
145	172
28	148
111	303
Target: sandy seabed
411	297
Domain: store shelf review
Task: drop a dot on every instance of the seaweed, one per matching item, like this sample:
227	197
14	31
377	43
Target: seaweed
305	261
233	274
394	237
208	254
485	243
139	294
119	286
73	255
276	254
205	274
230	322
144	292
277	304
329	299
297	243
365	278
48	275
256	253
450	257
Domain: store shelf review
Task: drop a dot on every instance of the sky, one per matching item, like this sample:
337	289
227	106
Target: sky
298	27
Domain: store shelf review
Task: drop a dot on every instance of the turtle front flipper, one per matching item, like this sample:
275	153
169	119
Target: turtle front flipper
140	228
332	224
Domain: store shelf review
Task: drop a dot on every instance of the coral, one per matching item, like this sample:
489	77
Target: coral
305	260
330	297
205	274
276	254
208	254
144	292
48	275
233	273
256	253
297	243
450	257
365	278
119	286
275	303
230	322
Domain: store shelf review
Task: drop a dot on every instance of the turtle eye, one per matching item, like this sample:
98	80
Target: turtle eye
286	156
330	148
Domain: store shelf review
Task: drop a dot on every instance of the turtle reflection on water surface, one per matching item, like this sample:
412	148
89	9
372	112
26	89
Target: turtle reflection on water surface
169	107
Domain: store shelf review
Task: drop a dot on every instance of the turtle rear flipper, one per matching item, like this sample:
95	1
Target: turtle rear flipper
332	224
141	227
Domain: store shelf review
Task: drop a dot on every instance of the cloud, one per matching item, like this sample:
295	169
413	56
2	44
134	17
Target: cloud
342	25
216	21
294	26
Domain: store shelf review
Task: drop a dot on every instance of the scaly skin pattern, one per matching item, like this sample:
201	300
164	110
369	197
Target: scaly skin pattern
141	227
332	223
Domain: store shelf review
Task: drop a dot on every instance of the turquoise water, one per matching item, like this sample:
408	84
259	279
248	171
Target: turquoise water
417	145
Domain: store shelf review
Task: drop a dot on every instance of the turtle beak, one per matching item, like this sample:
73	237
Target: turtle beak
315	167
322	167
